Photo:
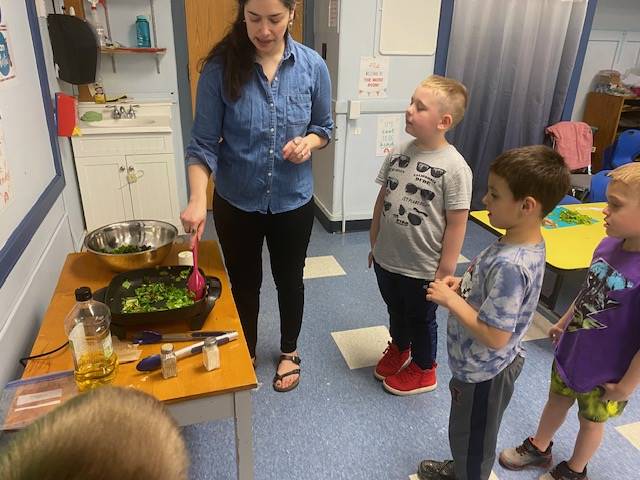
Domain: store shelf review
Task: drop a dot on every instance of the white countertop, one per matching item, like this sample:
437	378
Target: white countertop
140	124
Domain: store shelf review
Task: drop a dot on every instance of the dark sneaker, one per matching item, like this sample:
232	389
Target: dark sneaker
393	360
411	380
525	455
563	472
433	470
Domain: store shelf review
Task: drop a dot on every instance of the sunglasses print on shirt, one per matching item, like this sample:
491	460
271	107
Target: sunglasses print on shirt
400	159
387	206
426	195
412	217
433	171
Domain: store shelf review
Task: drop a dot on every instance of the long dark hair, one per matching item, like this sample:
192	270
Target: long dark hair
237	52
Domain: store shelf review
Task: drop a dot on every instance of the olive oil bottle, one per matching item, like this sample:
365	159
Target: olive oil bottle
87	326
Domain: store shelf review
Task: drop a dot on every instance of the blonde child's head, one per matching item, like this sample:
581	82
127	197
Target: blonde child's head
536	172
110	432
623	203
451	94
437	105
629	175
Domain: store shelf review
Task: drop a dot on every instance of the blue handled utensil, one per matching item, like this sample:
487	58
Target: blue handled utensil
150	336
152	362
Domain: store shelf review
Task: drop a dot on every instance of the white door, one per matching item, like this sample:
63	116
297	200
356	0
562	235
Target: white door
105	192
153	190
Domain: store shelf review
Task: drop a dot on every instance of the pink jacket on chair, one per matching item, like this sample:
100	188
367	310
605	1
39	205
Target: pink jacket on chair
573	140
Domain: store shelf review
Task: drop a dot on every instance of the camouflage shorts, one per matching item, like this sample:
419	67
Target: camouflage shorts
590	405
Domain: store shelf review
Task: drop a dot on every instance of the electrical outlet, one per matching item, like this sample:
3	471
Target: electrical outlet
357	131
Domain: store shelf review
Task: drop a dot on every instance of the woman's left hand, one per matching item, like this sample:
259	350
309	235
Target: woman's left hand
297	150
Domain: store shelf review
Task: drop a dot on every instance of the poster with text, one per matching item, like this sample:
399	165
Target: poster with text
374	77
388	133
7	70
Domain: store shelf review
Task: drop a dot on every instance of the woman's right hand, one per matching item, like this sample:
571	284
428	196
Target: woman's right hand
194	218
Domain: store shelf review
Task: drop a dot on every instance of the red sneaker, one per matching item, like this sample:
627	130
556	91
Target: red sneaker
393	360
411	380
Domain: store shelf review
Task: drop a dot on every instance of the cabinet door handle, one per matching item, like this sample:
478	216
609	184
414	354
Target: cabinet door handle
122	169
131	169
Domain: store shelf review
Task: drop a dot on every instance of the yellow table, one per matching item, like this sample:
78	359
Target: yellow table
195	395
568	248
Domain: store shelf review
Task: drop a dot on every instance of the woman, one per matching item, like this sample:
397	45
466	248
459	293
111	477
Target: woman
263	105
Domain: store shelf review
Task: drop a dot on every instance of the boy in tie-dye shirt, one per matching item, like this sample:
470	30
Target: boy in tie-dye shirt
492	306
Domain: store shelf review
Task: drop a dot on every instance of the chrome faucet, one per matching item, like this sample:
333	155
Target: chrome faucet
123	112
115	113
131	113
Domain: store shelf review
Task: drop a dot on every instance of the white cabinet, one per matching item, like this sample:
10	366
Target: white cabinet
125	177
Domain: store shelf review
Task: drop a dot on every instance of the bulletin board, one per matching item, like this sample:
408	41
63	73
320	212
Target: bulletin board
409	27
31	177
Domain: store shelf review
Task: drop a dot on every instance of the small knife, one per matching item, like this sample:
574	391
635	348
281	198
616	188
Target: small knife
153	362
150	336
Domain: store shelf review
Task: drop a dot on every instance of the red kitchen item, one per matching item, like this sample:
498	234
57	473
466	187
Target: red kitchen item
66	113
196	282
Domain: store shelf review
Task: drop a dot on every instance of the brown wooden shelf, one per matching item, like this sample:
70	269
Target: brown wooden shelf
611	114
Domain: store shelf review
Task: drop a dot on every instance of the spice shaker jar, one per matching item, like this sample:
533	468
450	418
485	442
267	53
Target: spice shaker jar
210	354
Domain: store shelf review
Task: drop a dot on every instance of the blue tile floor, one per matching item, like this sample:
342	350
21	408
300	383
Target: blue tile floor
340	423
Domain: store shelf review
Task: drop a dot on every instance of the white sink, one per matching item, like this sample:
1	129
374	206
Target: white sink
124	122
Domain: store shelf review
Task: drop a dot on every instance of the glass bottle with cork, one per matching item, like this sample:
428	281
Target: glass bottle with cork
87	326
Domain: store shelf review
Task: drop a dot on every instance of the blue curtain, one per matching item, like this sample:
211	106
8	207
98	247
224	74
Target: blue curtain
516	58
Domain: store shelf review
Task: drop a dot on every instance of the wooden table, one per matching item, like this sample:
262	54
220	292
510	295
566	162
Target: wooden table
568	248
195	395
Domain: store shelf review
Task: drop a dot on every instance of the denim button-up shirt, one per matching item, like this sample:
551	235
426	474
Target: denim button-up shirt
241	142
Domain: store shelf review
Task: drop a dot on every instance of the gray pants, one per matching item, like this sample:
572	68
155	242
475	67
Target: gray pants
474	421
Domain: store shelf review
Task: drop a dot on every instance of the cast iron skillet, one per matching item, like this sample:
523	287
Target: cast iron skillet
194	315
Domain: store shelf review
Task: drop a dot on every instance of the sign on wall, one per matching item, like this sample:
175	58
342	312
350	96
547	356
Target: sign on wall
374	77
409	27
7	70
388	133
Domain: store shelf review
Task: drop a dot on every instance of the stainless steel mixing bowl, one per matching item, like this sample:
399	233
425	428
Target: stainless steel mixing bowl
154	233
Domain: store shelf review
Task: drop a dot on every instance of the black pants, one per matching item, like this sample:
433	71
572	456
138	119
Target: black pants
241	237
412	318
474	421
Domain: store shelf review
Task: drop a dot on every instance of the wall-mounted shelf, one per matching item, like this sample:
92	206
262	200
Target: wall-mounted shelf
113	51
154	50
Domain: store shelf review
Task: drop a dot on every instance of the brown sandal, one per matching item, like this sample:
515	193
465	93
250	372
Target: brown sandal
296	371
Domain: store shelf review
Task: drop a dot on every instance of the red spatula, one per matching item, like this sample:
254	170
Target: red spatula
196	282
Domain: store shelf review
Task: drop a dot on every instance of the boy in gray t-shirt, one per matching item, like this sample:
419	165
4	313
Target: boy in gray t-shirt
492	306
418	227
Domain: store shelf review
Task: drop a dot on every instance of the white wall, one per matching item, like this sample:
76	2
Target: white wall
621	15
614	43
27	290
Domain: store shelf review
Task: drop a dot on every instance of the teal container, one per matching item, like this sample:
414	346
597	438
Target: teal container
143	36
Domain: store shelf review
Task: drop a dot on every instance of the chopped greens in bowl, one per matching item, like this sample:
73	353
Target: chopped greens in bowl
124	249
